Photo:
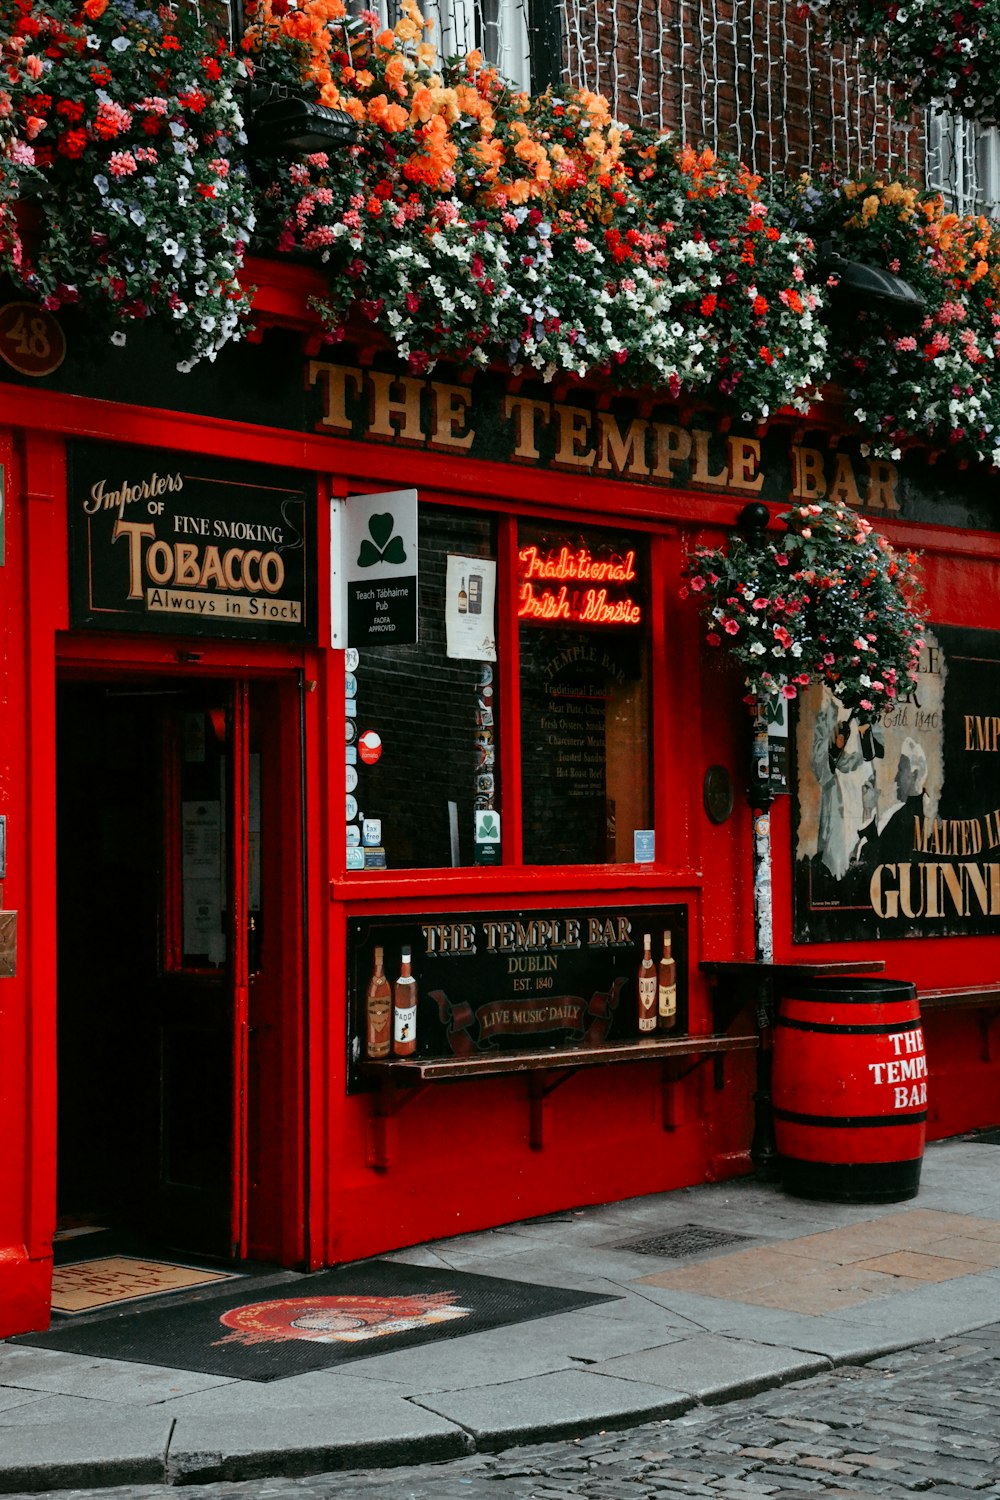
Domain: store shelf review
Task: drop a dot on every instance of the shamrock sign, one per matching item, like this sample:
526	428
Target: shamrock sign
381	545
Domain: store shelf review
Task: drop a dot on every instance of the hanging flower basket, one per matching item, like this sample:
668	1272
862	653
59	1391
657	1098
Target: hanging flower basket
932	53
825	600
122	127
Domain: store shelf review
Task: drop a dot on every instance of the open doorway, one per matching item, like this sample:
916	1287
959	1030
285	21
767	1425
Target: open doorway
179	963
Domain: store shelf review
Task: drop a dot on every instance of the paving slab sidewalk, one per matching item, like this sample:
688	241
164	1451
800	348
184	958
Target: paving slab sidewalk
806	1286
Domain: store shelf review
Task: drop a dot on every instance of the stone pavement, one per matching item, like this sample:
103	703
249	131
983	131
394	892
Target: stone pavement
813	1290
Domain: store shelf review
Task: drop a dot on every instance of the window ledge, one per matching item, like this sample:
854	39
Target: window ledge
550	882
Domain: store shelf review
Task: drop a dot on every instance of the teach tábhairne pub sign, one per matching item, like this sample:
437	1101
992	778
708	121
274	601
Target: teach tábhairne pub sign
183	545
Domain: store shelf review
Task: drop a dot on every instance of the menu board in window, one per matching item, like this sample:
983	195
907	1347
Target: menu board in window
584	696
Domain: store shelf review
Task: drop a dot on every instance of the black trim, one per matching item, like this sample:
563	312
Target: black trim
850	1122
889	1028
855	1182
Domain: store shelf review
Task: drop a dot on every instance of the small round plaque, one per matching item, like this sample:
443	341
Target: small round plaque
717	793
31	341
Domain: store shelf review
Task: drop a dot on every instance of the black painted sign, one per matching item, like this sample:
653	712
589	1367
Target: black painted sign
182	545
897	826
514	980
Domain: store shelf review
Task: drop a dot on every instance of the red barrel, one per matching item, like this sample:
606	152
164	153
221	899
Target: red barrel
849	1087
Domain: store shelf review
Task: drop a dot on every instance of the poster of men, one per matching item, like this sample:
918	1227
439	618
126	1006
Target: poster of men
896	825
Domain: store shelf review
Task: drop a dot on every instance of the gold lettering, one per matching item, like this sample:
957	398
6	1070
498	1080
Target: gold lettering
133	531
673	448
845	487
700	473
388	413
744	458
525	411
808	479
982	732
625	455
882	479
450	407
333	381
573	428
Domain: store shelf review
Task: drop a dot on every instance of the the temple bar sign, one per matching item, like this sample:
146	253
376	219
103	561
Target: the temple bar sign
181	545
625	439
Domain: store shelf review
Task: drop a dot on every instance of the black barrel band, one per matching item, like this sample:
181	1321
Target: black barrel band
850	1122
891	1028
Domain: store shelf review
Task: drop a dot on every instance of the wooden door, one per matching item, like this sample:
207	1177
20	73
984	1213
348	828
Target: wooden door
200	1194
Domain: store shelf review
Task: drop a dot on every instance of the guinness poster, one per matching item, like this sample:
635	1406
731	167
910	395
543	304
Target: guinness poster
897	826
183	545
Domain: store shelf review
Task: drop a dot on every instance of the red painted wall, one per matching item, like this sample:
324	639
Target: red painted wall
458	1156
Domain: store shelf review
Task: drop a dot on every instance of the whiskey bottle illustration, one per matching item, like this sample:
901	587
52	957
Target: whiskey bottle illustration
647	988
463	599
666	990
378	1011
404	1012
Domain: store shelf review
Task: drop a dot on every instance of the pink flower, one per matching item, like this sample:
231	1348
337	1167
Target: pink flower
121	164
867	703
789	692
713	639
781	558
697	584
730	627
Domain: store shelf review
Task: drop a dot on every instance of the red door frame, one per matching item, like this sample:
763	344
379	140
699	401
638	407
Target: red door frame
107	657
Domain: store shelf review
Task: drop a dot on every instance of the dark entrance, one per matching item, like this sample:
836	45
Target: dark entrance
177	946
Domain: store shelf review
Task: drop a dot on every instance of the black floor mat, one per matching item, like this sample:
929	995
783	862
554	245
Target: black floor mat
318	1321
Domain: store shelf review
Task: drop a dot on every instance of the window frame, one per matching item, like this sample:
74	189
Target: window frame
662	557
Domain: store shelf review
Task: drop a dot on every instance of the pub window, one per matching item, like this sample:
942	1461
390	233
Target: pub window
423	751
426	722
584	671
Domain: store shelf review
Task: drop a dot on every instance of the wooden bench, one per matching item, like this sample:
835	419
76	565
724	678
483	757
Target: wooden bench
982	998
401	1079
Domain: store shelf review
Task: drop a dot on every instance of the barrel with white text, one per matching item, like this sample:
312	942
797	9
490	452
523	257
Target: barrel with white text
849	1088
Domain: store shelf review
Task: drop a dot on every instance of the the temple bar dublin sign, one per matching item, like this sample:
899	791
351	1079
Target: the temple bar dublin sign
485	982
182	545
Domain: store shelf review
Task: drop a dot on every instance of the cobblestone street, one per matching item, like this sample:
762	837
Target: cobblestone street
924	1420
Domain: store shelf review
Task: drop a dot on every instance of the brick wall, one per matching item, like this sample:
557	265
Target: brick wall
752	77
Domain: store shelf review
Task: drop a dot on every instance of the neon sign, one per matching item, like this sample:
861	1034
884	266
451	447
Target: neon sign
572	569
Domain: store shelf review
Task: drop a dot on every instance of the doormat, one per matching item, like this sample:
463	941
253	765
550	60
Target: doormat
85	1285
320	1320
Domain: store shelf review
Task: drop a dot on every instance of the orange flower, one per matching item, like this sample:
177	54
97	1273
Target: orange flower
395	69
94	9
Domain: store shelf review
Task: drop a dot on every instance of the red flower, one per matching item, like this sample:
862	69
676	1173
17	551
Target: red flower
70	109
709	304
73	143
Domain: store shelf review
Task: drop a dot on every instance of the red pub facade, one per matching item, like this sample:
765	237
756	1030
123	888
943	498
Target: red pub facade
259	725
